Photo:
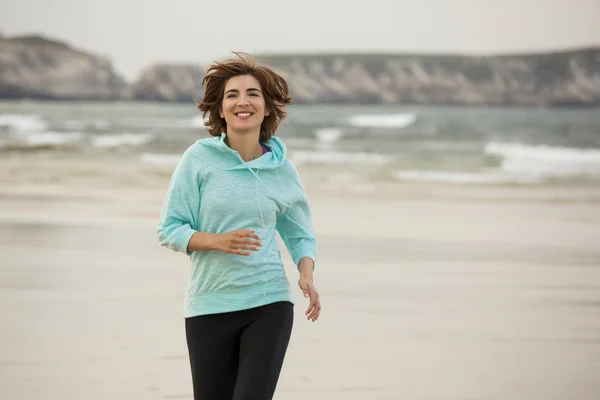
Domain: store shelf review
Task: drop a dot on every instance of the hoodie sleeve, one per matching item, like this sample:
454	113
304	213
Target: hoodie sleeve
295	224
180	209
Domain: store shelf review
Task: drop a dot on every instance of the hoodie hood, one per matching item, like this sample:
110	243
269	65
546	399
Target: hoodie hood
215	152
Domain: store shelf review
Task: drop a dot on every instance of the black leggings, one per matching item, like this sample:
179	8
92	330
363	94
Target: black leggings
238	355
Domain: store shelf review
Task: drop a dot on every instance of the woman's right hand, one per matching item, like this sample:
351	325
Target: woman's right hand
241	242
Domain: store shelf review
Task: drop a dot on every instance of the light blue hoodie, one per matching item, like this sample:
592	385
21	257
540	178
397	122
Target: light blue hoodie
213	190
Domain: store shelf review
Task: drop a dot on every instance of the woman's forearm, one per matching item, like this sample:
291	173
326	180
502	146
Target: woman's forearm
306	266
202	241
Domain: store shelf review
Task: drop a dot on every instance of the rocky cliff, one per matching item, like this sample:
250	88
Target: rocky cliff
550	79
37	67
40	68
169	83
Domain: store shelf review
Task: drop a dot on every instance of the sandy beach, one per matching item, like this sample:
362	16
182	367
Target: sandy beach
429	293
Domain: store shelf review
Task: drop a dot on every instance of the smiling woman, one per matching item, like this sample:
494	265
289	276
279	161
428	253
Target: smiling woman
243	107
238	82
227	199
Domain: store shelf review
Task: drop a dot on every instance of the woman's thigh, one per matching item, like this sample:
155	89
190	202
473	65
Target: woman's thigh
213	347
263	345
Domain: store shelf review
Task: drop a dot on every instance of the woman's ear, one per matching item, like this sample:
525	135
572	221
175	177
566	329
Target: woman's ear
221	113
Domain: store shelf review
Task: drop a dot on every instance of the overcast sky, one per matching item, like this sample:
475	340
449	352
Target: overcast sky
136	33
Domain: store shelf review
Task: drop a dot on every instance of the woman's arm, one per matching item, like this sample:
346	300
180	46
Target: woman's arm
180	210
202	241
179	220
295	225
241	242
306	266
296	229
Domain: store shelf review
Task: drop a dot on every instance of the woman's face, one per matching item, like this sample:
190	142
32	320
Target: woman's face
243	106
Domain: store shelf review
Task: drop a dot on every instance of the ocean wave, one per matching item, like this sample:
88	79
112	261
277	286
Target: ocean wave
121	140
328	135
549	161
335	157
167	123
383	120
99	124
465	178
197	121
519	164
42	140
22	123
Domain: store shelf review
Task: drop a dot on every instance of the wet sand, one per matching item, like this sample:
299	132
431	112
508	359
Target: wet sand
428	294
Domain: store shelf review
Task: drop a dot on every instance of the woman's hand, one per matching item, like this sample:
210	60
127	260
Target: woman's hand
241	242
310	291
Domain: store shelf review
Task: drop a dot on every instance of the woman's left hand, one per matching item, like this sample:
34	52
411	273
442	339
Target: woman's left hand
310	291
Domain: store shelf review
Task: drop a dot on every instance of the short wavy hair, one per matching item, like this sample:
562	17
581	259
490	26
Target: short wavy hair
274	87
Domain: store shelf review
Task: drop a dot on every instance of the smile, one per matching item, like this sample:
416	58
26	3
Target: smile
243	114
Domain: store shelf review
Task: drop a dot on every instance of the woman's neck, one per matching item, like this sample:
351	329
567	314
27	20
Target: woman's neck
247	145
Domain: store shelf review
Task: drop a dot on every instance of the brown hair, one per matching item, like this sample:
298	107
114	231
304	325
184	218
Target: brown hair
274	87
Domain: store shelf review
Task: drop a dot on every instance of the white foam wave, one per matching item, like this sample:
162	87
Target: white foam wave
466	178
328	135
52	138
121	140
197	121
517	158
334	157
520	164
383	120
42	140
23	123
84	124
161	160
170	123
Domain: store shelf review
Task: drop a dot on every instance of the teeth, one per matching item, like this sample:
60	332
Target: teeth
243	114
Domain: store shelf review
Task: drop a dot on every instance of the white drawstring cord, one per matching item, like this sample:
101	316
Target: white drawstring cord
262	218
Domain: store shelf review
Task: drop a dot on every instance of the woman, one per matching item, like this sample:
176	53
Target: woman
226	200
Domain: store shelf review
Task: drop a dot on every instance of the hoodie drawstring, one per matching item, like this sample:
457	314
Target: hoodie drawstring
262	218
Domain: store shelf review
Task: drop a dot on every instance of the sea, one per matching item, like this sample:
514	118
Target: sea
341	143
